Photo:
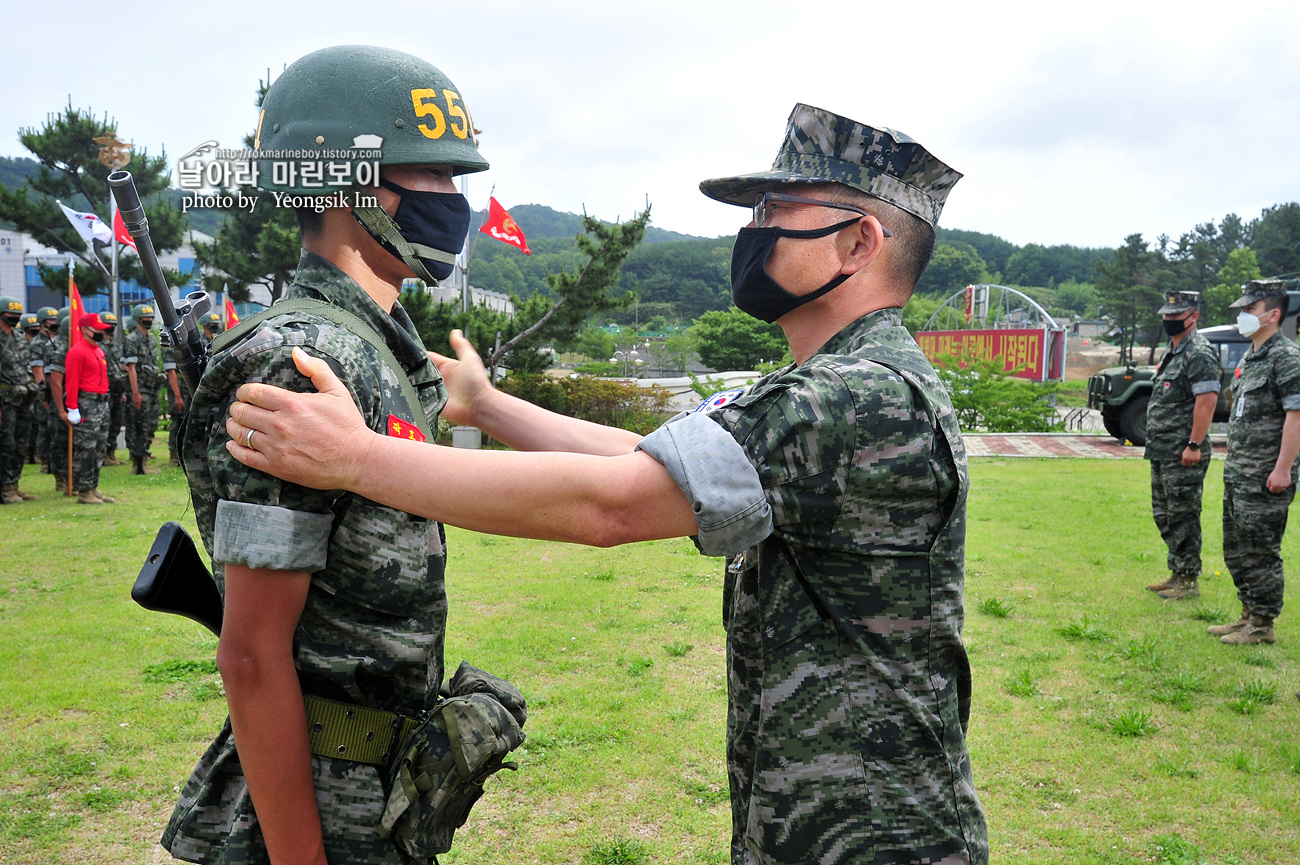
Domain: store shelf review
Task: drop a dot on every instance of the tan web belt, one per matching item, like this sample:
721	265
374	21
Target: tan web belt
351	732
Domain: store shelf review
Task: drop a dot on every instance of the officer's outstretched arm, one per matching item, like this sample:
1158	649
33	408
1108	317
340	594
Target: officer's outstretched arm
517	423
320	440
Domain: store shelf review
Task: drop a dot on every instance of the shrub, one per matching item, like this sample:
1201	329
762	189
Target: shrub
988	398
612	403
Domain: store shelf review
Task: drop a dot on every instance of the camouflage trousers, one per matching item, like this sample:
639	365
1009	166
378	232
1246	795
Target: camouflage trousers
142	423
57	444
41	425
27	422
116	417
1176	507
177	417
11	453
1254	521
88	441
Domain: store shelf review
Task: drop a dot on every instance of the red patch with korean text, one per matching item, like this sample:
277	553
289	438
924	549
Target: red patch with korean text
403	430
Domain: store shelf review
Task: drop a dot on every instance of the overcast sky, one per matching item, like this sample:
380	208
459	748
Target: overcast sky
1073	123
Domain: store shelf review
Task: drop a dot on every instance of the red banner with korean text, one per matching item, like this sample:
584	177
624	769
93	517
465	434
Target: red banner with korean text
1023	351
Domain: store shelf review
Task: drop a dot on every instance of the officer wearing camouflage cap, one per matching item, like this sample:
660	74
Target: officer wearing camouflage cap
837	486
1259	477
335	595
1183	395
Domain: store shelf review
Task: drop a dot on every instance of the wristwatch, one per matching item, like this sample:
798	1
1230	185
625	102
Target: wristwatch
1194	445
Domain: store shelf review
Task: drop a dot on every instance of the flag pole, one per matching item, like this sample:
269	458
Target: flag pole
68	467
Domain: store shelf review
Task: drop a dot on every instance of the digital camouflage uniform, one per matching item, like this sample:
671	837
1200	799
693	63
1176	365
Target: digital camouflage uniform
177	417
1265	387
849	686
16	390
141	349
119	390
1187	370
372	629
39	351
57	427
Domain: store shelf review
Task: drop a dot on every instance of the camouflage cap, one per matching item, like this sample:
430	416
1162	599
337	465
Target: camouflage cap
821	147
1180	301
1258	289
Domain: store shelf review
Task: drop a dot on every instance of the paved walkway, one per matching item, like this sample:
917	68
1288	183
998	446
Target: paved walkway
1055	445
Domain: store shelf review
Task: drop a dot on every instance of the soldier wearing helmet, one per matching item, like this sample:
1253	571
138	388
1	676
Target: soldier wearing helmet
117	389
40	349
373	635
140	357
836	485
16	391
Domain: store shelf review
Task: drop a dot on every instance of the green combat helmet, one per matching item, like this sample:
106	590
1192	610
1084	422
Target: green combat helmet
213	322
30	321
108	317
141	310
9	308
47	314
64	312
360	107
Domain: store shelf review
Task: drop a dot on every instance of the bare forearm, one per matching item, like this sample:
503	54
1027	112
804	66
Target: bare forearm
1203	415
1290	442
523	426
577	498
130	374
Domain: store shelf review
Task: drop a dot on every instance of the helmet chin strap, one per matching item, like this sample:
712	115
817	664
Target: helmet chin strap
379	225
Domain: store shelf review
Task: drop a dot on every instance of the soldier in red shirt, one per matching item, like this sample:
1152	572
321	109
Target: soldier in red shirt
86	407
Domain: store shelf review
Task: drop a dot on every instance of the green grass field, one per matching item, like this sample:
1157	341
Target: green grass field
1107	726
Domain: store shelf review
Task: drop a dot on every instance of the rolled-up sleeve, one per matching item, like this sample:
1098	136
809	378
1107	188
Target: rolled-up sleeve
275	538
717	478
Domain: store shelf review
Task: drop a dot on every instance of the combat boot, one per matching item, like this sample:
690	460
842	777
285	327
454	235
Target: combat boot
174	462
1231	627
9	494
45	467
110	459
87	497
137	465
1184	587
148	469
99	494
27	497
1258	629
1167	583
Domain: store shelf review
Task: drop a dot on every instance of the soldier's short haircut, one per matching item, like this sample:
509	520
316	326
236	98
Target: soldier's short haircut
1277	301
913	242
309	221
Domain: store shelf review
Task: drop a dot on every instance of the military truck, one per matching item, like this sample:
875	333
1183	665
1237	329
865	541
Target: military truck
1121	393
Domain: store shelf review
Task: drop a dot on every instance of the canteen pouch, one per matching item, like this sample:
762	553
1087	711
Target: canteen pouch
437	773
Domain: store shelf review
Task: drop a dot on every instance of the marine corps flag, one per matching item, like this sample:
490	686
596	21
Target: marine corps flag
503	228
75	309
232	318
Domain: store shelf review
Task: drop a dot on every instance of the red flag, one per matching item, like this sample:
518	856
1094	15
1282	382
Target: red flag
75	309
119	230
231	318
503	228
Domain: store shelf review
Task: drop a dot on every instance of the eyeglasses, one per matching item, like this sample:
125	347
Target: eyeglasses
761	208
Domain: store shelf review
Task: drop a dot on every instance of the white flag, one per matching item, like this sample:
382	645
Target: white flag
88	225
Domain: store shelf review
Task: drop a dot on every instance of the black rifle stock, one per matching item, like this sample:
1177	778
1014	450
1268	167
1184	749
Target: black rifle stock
174	578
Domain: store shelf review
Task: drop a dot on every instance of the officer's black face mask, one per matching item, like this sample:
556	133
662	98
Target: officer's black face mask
753	290
436	219
1176	326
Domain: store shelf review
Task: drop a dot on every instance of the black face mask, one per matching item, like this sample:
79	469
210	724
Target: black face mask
1175	327
98	336
753	290
12	321
146	324
437	220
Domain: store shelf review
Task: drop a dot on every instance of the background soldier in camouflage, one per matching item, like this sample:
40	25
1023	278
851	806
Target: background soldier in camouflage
117	389
140	356
1259	477
1183	395
839	481
335	595
16	390
178	389
59	428
86	401
31	328
42	347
